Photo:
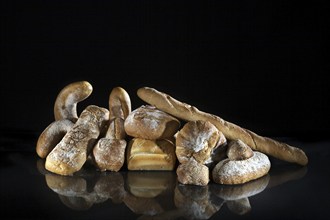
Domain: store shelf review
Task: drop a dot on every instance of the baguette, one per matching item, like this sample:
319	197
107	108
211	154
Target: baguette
231	131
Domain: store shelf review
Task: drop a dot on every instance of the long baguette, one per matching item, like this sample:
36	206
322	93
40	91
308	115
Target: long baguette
231	131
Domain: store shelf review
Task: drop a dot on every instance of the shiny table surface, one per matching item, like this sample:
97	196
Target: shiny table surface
289	191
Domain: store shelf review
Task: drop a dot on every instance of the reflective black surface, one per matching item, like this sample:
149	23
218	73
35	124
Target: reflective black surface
289	191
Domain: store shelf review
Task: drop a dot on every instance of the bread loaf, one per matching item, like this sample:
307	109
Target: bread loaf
71	153
147	122
143	154
231	131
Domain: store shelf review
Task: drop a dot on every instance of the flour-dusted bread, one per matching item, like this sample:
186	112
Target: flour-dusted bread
109	154
70	154
143	154
197	139
147	122
241	171
193	173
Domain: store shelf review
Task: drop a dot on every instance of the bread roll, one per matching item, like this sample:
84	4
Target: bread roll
197	139
143	154
240	171
109	154
150	123
194	173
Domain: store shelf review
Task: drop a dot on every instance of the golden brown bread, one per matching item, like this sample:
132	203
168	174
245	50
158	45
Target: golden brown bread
143	154
187	112
150	123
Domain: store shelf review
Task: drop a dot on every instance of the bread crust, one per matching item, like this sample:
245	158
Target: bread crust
187	112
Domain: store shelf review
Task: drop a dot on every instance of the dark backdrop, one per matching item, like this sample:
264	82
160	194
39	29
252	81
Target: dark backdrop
259	64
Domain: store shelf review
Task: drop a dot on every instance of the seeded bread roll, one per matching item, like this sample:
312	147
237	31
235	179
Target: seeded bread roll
147	122
143	154
197	139
241	171
193	173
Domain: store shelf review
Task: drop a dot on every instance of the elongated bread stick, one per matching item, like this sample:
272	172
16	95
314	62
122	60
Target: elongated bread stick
231	131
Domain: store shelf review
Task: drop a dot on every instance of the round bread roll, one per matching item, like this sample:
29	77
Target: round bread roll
194	173
147	122
197	139
143	154
241	171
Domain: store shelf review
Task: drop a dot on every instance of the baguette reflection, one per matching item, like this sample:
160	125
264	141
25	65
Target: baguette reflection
158	195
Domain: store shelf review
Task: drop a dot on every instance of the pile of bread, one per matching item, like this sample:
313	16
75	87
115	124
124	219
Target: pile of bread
146	138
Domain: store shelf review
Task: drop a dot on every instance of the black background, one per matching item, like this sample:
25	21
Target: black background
259	64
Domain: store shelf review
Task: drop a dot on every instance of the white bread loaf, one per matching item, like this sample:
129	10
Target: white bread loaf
143	154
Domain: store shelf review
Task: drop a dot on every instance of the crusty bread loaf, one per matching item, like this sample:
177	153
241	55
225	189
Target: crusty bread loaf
143	154
197	139
241	171
193	173
71	153
187	112
150	123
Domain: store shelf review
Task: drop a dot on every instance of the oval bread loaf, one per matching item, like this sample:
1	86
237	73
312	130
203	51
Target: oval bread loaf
147	122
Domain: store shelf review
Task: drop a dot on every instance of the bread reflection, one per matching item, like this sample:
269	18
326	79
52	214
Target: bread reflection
158	195
149	184
195	201
81	192
236	197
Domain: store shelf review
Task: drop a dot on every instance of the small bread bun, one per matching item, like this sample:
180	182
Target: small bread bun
109	154
197	139
194	173
143	154
241	171
238	150
147	122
